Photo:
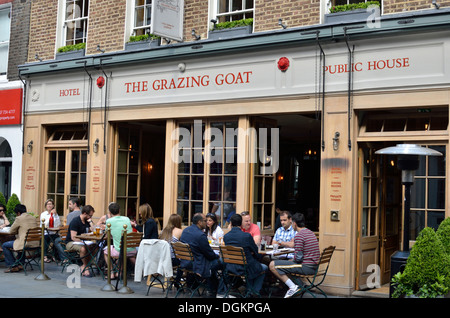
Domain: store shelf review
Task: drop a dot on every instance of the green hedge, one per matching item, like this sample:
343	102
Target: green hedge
354	6
143	37
234	24
73	47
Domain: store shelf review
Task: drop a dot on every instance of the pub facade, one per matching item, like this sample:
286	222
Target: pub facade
283	118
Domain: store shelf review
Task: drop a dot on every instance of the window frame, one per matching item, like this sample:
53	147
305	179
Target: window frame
61	34
205	172
6	43
221	17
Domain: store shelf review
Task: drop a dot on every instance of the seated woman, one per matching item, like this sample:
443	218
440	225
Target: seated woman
171	233
149	226
51	220
213	230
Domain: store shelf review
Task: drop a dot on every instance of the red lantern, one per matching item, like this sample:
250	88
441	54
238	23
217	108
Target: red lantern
100	81
283	64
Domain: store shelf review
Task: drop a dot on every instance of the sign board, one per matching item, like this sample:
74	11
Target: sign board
11	106
167	19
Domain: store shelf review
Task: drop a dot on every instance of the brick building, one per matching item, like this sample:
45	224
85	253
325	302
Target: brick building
14	29
289	115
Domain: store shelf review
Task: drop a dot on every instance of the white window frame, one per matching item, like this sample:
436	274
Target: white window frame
327	4
214	10
62	24
130	20
3	77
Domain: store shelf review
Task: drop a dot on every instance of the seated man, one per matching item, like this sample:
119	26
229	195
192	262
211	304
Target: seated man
249	227
255	269
206	262
23	222
307	254
80	225
284	236
117	222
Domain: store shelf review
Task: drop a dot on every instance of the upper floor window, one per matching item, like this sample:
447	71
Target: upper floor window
231	10
332	3
5	28
142	17
76	21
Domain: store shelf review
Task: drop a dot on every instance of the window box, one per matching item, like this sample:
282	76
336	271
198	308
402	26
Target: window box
229	33
142	42
351	16
142	45
71	51
70	55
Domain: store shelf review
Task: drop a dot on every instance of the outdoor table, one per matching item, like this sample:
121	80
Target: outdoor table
86	237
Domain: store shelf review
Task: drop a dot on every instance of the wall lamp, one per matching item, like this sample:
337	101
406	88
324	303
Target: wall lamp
280	23
214	21
30	147
100	49
95	146
197	37
336	140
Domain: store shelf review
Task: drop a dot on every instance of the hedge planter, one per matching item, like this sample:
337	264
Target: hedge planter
142	45
351	16
69	54
229	33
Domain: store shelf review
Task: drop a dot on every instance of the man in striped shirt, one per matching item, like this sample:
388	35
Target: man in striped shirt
307	254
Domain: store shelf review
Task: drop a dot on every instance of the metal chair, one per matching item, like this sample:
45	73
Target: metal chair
191	281
236	255
316	279
30	251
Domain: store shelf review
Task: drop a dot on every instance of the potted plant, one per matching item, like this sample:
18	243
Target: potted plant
71	51
144	41
231	29
427	270
353	12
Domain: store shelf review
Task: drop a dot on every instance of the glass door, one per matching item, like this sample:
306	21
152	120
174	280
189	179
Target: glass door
66	176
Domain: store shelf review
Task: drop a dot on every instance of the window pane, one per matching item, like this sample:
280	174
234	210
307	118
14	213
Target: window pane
436	193
197	188
436	164
183	187
418	194
434	219
417	223
215	188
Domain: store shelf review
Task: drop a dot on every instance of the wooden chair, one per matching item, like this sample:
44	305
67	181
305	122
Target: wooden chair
133	241
31	250
235	255
183	252
71	257
315	280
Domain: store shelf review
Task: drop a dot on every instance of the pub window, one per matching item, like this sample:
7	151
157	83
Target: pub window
66	167
142	17
206	172
343	2
263	179
75	23
425	121
128	172
231	10
428	192
5	23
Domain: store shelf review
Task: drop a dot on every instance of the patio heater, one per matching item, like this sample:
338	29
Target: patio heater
408	163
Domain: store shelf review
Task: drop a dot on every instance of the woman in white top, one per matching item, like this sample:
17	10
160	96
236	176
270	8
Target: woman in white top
4	222
213	230
49	235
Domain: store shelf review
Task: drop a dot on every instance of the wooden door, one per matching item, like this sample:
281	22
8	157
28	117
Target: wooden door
368	215
391	210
